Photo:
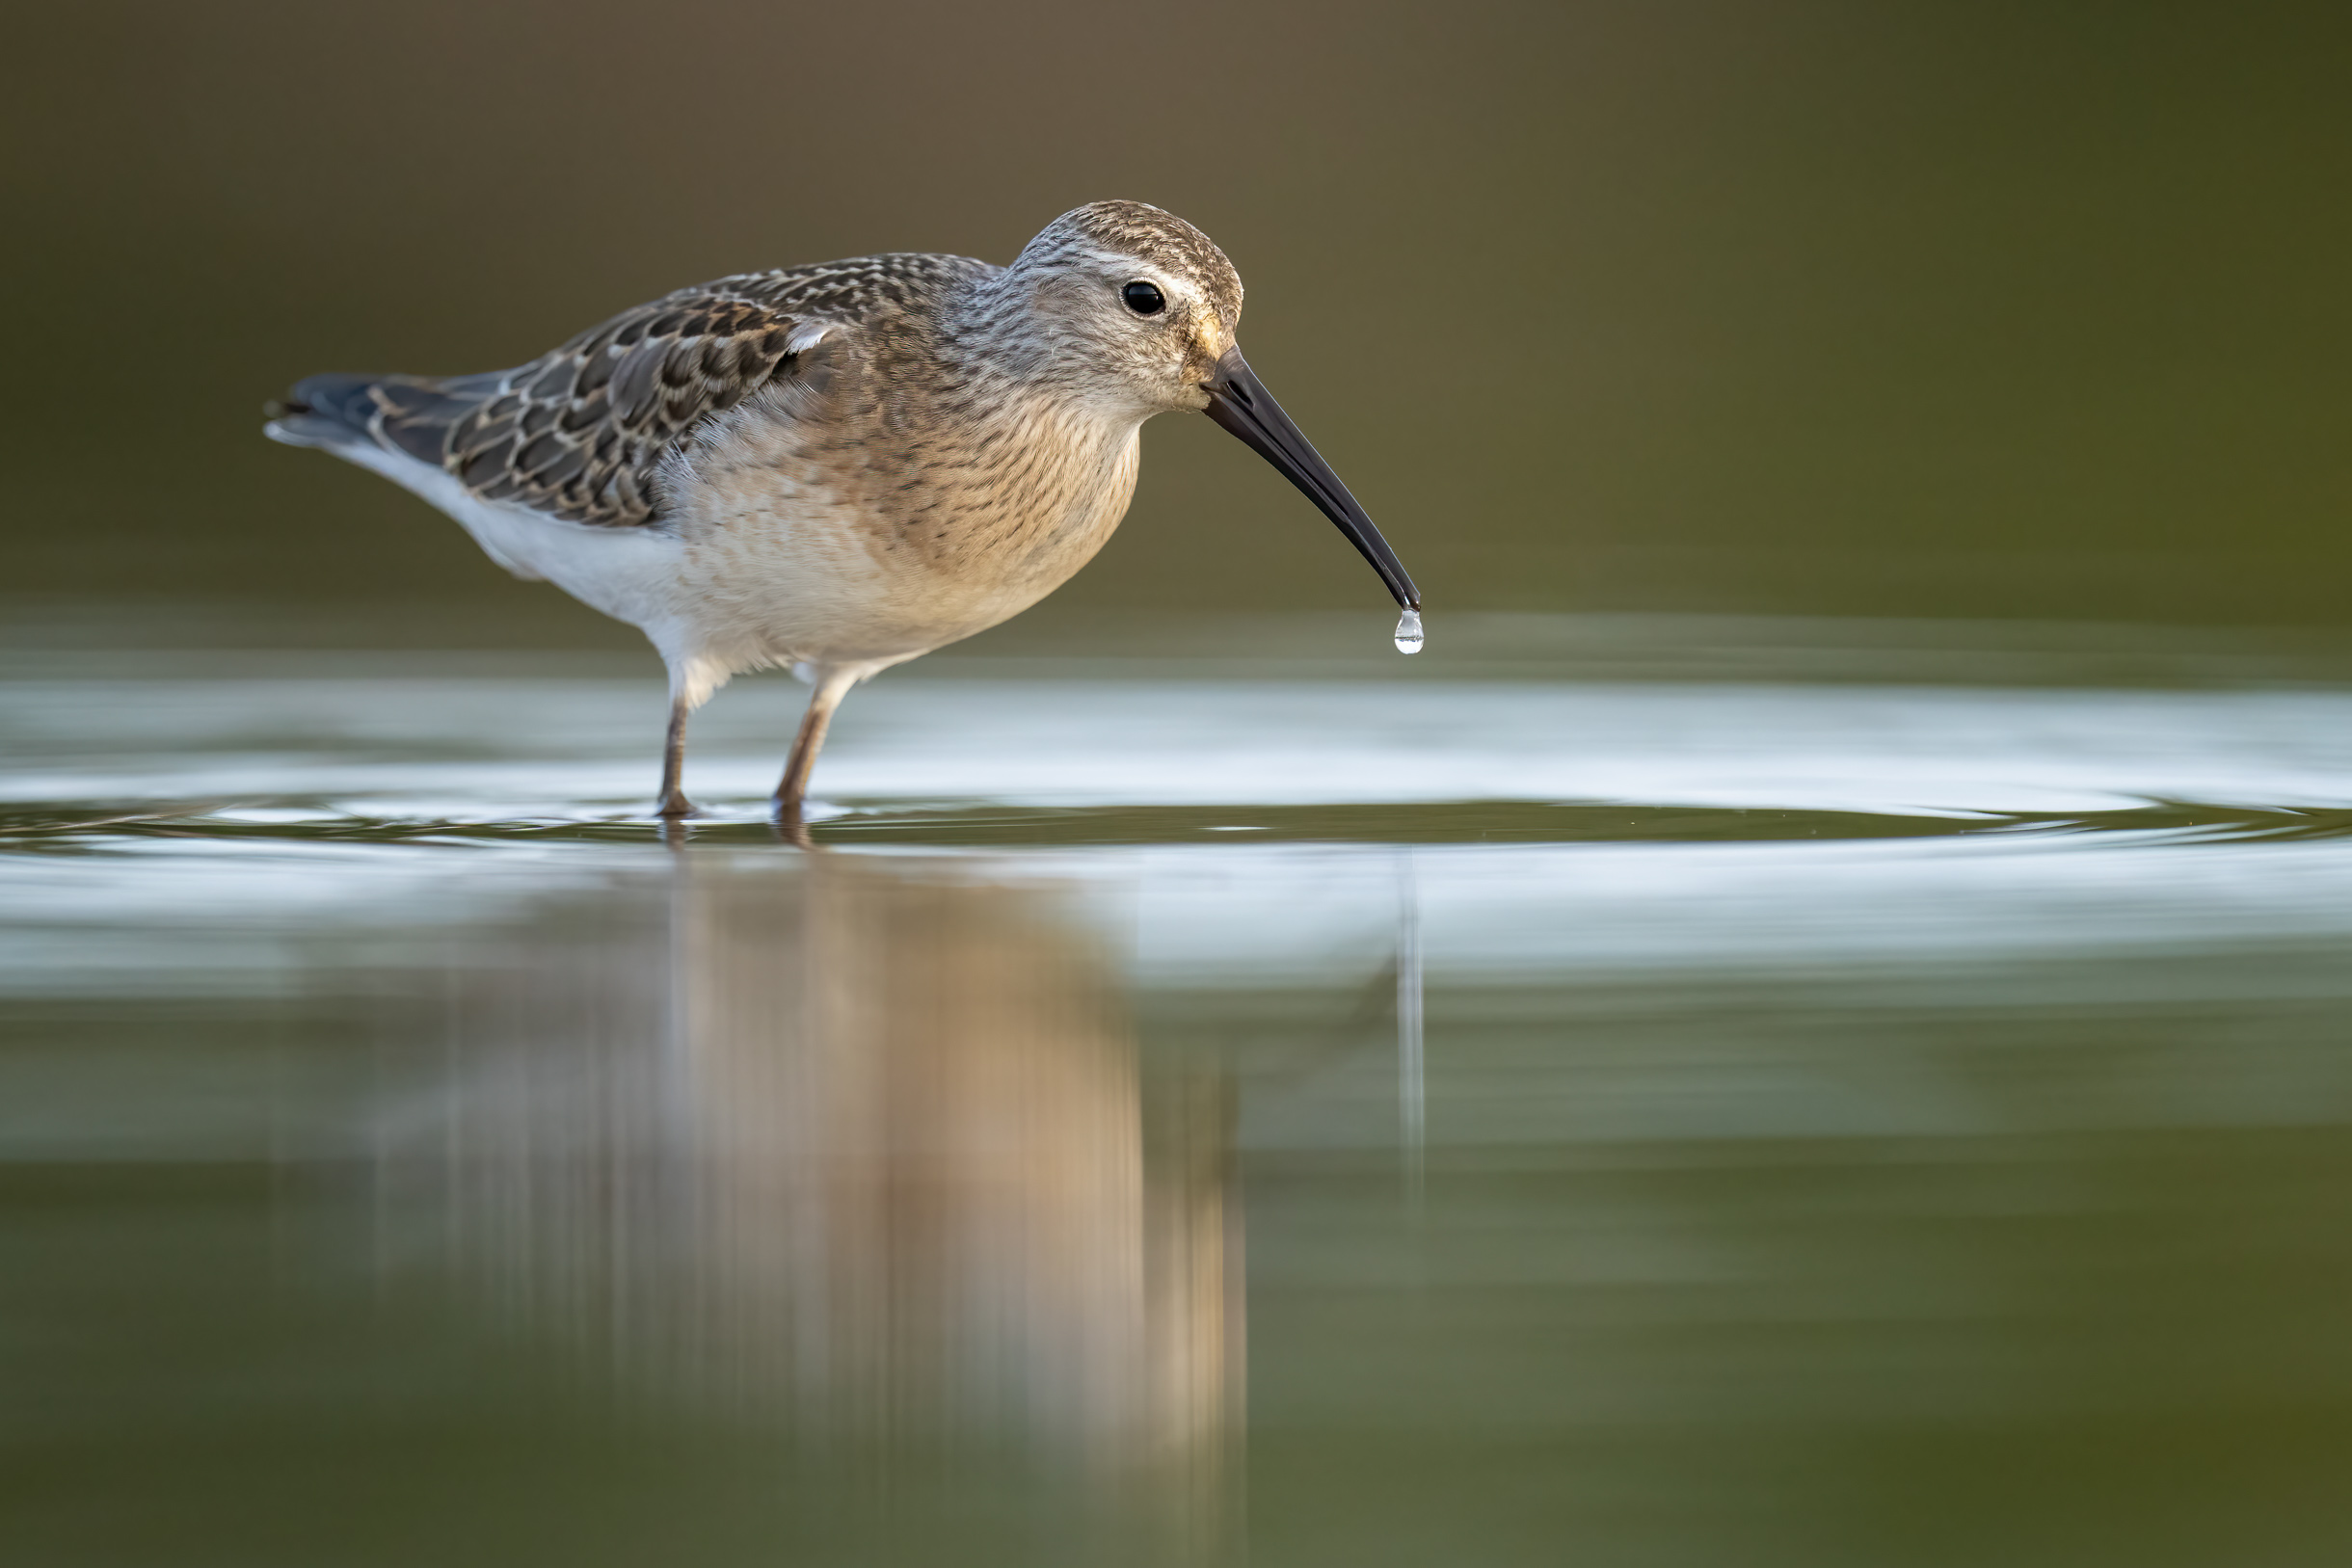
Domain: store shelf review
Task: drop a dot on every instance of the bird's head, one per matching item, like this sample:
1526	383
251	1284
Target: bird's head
1133	311
1130	305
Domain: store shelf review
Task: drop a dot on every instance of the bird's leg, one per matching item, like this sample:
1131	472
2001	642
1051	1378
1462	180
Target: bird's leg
674	802
832	685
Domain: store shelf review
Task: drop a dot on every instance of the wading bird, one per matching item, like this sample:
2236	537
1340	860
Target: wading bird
836	467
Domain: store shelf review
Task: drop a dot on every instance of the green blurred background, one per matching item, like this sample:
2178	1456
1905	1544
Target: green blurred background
1974	308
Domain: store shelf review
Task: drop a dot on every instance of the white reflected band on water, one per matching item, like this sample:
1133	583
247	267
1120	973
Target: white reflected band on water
517	748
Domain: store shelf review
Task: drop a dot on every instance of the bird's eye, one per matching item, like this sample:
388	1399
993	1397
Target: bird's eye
1143	299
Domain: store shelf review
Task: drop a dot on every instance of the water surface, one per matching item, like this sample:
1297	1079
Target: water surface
1847	1106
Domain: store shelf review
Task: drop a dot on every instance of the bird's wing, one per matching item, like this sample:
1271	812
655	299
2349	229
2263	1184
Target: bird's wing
581	431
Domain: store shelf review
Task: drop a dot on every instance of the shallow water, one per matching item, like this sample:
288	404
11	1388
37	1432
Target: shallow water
1887	1108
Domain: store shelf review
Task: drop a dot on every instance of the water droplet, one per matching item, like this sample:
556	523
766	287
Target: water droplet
1408	632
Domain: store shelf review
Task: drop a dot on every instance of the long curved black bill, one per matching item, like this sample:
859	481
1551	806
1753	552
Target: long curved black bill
1240	402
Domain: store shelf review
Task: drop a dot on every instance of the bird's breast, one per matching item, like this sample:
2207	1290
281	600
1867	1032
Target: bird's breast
861	539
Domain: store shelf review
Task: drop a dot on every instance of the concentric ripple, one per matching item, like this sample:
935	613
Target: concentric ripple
32	825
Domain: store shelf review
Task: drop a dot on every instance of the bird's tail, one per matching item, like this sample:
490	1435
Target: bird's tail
410	416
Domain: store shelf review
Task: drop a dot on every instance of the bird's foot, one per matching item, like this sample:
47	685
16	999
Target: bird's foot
676	807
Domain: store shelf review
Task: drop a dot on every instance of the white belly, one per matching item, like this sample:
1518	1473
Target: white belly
628	573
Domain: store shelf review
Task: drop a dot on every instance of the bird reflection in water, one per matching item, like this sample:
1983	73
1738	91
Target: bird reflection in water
863	1145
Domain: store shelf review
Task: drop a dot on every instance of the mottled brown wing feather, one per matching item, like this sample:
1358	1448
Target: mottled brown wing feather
580	433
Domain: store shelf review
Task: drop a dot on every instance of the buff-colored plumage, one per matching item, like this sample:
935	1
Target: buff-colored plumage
835	468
